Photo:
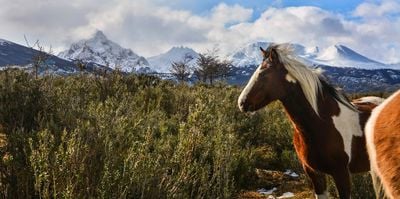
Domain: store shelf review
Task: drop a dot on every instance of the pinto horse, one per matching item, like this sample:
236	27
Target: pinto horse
383	144
328	136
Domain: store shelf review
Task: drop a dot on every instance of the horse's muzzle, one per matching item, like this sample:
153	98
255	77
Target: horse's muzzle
243	106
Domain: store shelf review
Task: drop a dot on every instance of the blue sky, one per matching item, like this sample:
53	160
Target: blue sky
204	6
151	27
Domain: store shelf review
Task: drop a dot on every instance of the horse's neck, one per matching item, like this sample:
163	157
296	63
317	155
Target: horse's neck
302	114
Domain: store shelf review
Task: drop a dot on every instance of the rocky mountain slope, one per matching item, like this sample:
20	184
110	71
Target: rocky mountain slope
100	50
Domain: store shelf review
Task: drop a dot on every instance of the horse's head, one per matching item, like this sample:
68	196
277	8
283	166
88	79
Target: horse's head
268	83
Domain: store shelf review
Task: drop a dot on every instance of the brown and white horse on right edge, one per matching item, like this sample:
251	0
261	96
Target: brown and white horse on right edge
383	144
329	129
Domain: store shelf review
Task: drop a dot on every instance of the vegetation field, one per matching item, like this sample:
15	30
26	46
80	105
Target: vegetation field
118	136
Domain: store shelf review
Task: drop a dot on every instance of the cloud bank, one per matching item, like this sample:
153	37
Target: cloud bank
372	28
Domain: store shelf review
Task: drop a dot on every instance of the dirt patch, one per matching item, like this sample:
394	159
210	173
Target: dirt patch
280	182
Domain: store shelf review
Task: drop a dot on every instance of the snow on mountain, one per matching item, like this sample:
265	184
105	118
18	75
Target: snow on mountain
312	51
100	50
342	56
162	63
248	55
306	52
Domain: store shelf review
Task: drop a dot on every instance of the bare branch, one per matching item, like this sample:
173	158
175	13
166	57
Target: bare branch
210	67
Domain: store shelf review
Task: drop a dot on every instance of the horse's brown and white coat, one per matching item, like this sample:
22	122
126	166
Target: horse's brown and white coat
383	143
328	135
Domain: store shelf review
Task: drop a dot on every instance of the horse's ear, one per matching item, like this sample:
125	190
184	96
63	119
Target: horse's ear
263	51
273	55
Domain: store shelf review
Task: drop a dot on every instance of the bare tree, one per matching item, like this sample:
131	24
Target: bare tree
40	57
181	69
204	68
81	65
210	67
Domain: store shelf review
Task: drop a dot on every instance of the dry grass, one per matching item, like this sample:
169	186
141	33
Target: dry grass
2	137
2	140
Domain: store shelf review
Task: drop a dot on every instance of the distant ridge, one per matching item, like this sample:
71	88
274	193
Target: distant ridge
336	55
12	55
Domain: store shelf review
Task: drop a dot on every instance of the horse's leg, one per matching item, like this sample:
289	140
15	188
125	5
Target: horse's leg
319	183
342	182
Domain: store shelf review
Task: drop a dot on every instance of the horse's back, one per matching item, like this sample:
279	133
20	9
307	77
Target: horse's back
383	142
359	157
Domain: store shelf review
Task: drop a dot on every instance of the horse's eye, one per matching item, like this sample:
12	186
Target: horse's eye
265	64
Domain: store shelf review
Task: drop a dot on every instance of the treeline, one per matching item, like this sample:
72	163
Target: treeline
208	67
116	136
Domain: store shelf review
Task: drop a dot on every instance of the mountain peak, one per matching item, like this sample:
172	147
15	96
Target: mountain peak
178	51
103	51
179	48
162	62
99	35
340	55
342	52
344	49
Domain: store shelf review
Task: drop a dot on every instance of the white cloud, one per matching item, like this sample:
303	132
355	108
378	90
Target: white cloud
369	9
306	25
149	29
224	14
376	37
377	32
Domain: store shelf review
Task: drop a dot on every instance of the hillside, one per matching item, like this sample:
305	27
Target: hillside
12	54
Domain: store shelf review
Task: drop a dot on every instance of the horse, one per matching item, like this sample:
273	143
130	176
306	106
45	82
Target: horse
365	106
383	141
328	129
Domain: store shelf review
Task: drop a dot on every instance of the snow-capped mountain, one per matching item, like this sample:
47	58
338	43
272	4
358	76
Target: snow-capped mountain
162	63
342	56
336	55
251	55
102	51
343	67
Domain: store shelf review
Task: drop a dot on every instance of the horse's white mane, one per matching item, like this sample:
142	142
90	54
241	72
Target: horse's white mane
309	79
